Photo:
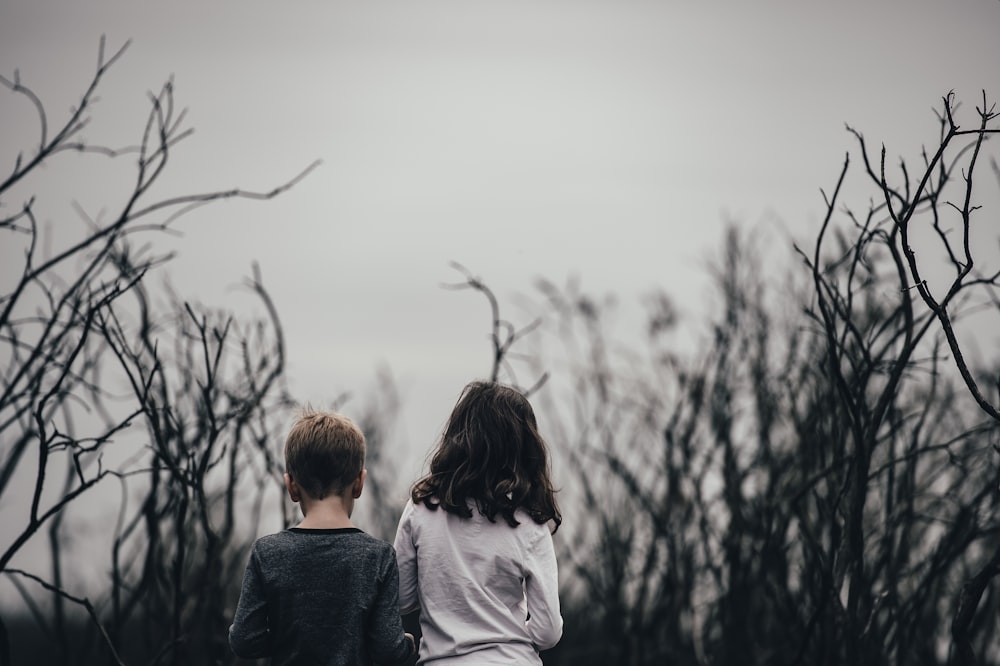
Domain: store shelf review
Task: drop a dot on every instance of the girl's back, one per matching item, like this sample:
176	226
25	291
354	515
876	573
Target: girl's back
474	545
487	592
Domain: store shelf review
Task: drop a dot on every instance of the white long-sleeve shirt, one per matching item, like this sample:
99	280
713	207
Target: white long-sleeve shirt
488	593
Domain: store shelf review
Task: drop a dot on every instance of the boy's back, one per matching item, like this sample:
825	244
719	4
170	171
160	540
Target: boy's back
320	596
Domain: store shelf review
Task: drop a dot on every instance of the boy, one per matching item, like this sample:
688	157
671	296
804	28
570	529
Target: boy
323	592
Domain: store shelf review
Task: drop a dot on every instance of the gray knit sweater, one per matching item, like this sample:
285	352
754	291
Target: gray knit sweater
324	597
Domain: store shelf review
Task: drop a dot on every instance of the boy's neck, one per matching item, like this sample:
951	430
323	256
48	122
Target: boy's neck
331	512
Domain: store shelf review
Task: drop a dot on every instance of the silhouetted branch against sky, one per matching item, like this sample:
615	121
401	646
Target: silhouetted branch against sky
963	260
69	306
503	335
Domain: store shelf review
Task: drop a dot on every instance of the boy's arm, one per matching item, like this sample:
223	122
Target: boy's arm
541	588
386	639
248	635
406	557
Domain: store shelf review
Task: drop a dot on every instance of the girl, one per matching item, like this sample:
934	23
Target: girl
473	545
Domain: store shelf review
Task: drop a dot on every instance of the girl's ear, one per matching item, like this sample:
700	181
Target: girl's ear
292	488
359	484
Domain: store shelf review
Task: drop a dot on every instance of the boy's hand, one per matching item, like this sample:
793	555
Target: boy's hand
413	654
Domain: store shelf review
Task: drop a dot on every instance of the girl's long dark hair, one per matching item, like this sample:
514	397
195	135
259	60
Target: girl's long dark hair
491	453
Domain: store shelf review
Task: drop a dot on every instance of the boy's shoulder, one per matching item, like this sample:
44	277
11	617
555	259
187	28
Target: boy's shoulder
298	539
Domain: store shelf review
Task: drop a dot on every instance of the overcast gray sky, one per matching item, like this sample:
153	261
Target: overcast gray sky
607	140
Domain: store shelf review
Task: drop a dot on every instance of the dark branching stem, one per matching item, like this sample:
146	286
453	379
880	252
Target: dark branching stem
902	205
503	334
76	122
57	360
82	601
968	603
903	217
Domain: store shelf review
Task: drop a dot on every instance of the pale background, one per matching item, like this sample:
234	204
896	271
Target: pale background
609	141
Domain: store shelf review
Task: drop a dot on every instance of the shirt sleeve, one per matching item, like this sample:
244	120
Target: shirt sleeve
541	588
249	637
389	644
406	557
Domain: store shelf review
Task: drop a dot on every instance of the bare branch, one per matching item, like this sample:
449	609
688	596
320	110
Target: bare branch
82	601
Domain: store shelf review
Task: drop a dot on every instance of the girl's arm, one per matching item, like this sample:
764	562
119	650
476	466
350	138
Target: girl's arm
541	587
406	558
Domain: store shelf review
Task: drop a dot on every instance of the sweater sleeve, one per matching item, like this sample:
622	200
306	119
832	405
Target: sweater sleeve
389	644
406	556
541	583
249	637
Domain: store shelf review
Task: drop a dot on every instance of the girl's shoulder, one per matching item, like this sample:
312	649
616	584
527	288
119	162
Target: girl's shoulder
418	513
414	512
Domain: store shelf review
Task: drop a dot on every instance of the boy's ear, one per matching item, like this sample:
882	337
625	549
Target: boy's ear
293	488
359	484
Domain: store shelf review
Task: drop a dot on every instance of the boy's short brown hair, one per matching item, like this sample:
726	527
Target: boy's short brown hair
324	452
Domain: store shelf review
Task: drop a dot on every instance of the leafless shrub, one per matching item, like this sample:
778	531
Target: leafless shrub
812	488
101	383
